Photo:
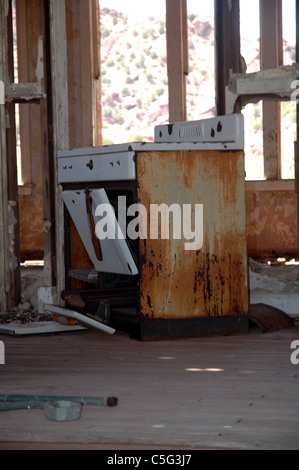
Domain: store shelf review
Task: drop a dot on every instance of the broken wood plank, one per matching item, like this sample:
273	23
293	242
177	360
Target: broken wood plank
15	92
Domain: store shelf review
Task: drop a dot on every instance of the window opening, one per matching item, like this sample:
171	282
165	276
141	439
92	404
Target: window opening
201	79
288	108
133	70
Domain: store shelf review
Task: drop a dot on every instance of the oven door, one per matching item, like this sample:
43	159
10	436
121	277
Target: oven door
108	255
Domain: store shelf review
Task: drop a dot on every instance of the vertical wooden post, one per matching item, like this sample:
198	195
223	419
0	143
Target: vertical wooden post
4	261
49	278
14	296
87	47
59	72
228	48
297	143
74	53
21	11
271	57
177	58
98	75
83	67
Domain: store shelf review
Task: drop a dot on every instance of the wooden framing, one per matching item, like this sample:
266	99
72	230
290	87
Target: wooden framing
10	280
59	76
84	70
74	111
52	92
297	143
38	92
271	57
74	53
88	57
49	275
23	77
14	294
4	259
97	61
228	49
177	58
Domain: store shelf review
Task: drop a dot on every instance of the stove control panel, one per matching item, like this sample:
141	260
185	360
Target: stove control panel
93	167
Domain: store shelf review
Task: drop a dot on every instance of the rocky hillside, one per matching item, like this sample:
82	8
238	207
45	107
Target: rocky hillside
134	83
134	75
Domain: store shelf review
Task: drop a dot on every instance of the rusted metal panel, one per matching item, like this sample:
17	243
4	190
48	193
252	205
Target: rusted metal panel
210	282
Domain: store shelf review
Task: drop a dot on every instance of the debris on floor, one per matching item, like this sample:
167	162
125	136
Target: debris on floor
269	318
275	284
274	303
30	284
63	411
20	402
57	408
282	278
37	328
28	318
24	318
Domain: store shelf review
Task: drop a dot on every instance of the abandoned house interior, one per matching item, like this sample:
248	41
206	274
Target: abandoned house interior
145	341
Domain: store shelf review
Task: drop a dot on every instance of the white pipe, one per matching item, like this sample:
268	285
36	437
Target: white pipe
80	318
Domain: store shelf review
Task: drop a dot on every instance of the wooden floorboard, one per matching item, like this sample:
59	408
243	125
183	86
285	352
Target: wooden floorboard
232	392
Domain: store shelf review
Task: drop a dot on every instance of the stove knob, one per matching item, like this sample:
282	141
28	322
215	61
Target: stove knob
90	165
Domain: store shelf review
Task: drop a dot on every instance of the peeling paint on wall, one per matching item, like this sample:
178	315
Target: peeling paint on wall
272	226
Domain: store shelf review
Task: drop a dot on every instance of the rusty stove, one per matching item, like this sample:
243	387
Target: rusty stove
153	287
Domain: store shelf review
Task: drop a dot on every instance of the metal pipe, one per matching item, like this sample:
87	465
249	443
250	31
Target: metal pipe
28	405
38	401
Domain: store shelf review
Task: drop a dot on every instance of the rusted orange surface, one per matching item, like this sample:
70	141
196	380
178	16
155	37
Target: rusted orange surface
179	284
272	222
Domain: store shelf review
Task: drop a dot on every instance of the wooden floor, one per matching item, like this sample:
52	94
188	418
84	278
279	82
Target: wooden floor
233	392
